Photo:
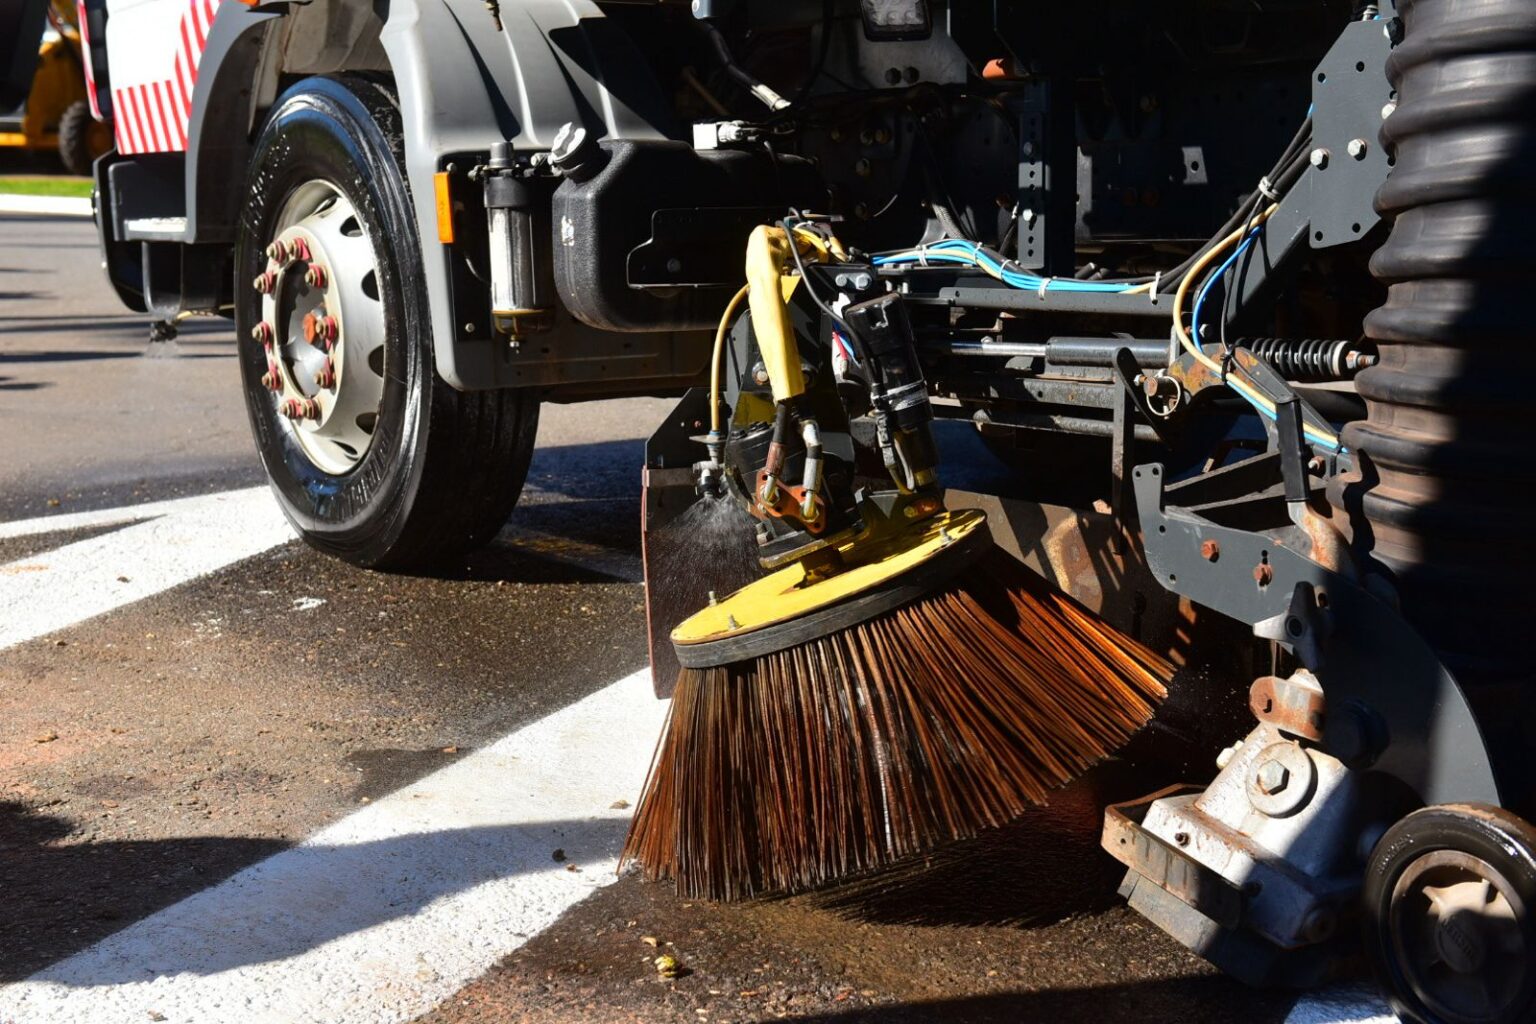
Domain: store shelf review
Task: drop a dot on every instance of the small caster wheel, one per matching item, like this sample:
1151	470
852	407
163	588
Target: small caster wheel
1448	903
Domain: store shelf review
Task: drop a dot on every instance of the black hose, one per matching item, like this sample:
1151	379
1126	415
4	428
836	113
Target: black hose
828	12
742	77
1447	470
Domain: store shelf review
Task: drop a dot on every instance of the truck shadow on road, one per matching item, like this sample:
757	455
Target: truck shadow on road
62	895
171	916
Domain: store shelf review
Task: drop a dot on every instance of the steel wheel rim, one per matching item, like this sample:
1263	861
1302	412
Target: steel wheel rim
322	326
1456	935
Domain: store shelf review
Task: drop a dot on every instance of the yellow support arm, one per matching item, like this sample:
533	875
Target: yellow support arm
767	255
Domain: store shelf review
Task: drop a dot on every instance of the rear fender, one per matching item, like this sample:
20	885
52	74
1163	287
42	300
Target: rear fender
463	85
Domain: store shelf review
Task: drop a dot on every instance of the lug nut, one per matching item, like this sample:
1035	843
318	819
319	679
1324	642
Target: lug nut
299	249
263	333
326	376
315	276
265	282
277	252
301	409
272	380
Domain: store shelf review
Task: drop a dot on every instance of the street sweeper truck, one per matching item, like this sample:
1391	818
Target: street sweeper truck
1237	292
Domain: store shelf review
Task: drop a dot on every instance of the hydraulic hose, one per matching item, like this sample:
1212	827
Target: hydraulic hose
1446	468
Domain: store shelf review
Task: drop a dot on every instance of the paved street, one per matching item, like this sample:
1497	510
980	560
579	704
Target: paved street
243	782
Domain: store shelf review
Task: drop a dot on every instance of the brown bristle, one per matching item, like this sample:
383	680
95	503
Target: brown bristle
847	753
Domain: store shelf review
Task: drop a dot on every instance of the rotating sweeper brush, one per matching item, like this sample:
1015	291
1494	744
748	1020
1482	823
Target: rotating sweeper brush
895	682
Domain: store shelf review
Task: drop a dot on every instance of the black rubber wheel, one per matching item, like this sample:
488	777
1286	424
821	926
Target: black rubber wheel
438	470
77	146
1448	902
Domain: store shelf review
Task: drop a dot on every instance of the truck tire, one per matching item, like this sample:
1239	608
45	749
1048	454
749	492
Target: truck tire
79	138
373	457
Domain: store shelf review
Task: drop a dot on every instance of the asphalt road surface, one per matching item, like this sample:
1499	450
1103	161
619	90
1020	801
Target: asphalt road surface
242	782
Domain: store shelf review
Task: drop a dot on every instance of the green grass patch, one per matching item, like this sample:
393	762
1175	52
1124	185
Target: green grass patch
16	184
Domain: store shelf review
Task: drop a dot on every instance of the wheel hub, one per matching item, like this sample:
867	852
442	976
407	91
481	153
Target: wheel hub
322	326
1456	926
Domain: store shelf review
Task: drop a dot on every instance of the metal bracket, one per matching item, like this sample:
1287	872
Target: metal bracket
1361	649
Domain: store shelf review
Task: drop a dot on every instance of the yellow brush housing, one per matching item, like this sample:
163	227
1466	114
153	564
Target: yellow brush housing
886	565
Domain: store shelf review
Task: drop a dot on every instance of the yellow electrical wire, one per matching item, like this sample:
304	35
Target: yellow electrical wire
1233	381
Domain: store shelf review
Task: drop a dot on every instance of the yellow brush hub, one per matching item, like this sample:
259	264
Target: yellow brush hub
876	574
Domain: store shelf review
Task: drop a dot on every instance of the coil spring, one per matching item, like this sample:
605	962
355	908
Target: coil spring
1310	359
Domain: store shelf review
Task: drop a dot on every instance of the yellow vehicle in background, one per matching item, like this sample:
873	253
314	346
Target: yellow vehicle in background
56	111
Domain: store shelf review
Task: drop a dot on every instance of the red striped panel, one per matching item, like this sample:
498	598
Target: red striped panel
130	116
120	123
199	26
85	52
135	122
181	92
188	55
154	117
156	129
170	118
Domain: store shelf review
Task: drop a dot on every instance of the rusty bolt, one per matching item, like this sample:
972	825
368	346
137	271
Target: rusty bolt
1263	574
265	282
301	409
299	249
315	276
1210	550
277	252
320	328
326	376
263	333
1272	777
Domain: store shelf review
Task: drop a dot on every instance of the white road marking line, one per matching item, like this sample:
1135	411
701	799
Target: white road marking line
390	911
1342	1004
99	517
51	206
184	540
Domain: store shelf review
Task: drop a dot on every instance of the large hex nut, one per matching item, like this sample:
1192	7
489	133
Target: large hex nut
1283	780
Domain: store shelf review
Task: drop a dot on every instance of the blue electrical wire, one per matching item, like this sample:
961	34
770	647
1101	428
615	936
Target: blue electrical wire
956	250
1194	335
